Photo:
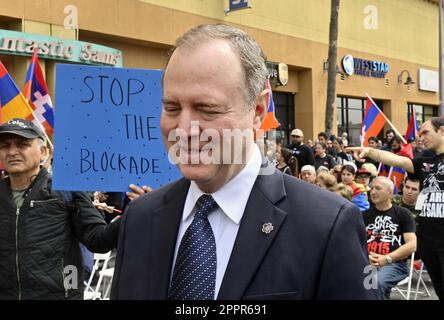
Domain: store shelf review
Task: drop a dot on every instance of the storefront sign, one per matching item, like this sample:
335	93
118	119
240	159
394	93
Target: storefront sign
238	4
363	67
278	73
21	43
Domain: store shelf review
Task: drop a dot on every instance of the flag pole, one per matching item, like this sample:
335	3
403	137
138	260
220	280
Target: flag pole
386	119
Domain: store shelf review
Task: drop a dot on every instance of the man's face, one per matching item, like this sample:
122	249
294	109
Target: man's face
308	176
372	144
336	145
432	139
410	191
419	143
20	155
205	83
296	139
319	150
396	146
390	136
380	192
321	139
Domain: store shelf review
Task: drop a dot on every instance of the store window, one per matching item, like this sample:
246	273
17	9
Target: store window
349	117
423	112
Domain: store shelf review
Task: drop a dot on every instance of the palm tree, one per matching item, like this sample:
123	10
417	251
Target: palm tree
332	55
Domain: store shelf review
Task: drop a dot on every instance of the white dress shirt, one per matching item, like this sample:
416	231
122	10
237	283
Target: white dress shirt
225	220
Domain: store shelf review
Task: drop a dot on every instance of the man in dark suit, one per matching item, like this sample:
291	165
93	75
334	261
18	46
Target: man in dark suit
233	229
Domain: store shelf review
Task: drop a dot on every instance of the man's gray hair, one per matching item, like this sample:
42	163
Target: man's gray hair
250	53
389	183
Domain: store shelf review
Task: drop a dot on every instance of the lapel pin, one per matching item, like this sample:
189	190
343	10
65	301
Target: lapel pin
267	227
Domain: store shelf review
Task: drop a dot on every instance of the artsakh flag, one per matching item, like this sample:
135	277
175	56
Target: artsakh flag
12	102
37	94
270	121
374	121
412	129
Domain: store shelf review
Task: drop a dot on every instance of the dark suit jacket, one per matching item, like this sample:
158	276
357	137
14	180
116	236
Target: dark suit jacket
317	249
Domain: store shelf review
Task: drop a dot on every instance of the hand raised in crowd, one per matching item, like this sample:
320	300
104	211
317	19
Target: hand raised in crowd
359	153
137	191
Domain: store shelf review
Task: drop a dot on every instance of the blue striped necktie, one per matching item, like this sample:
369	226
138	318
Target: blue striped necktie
194	276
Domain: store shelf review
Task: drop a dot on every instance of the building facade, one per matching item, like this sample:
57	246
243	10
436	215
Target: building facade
387	49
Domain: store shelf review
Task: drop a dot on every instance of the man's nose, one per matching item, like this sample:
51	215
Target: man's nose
189	123
13	149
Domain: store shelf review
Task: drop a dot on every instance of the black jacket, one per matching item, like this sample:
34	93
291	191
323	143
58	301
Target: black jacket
316	250
39	248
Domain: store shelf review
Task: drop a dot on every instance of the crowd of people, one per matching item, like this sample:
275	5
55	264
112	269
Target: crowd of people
224	231
330	164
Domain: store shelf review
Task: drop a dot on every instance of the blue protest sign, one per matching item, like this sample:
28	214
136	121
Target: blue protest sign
107	133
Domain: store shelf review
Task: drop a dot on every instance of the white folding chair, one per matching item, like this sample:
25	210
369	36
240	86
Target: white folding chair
108	275
420	273
90	293
407	280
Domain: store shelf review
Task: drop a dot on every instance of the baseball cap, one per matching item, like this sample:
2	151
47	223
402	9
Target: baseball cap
23	128
363	171
297	132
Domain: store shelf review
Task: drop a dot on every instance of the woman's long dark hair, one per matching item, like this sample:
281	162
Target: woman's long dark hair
290	160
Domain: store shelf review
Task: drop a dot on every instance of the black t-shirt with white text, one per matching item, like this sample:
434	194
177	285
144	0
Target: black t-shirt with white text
385	229
430	171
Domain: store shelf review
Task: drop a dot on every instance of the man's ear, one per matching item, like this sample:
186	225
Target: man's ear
261	108
44	153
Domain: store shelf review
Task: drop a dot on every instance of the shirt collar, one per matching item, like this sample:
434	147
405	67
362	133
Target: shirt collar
239	188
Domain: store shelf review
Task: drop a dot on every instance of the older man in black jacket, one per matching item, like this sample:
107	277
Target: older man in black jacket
40	228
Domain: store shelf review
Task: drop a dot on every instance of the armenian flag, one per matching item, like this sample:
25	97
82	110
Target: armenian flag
12	102
270	121
374	121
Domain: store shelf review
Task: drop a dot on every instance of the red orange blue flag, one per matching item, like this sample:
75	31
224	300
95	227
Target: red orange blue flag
12	102
412	129
270	121
37	94
397	176
373	122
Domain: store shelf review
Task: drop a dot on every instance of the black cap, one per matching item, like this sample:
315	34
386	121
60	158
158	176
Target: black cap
23	128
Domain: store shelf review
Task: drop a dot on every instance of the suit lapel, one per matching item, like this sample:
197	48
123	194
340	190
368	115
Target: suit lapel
165	225
252	242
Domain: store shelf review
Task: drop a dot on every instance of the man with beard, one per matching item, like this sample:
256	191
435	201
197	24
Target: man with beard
303	153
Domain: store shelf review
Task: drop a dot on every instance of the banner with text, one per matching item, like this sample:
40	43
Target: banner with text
107	129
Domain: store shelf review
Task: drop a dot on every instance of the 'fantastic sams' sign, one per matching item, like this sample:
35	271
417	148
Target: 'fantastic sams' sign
22	43
107	131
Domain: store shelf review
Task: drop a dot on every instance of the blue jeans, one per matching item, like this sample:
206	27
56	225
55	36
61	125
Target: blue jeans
389	276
